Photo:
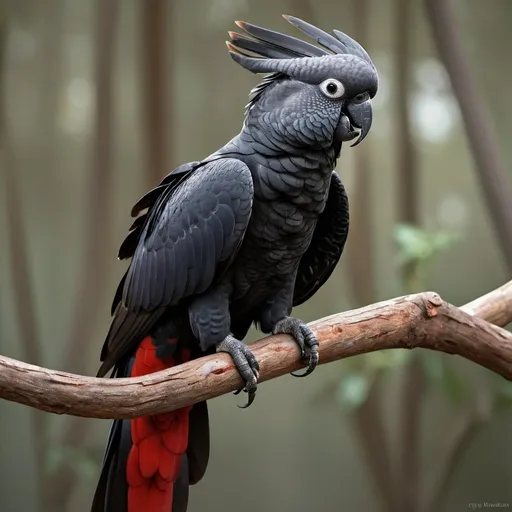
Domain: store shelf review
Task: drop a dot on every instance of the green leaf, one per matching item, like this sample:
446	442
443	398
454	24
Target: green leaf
353	390
443	240
412	243
419	245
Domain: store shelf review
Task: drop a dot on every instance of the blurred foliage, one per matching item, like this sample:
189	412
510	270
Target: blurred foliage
416	248
419	247
358	374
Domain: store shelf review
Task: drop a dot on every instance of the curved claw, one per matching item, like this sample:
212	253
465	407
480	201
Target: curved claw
313	361
251	391
250	398
305	339
246	364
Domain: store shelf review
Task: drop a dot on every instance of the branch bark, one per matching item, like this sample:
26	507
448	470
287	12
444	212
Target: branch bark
415	321
483	141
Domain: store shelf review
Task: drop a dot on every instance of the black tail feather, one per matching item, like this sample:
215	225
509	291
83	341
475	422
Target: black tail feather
112	490
181	486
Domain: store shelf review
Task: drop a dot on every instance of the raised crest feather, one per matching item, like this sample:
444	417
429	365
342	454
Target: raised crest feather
262	50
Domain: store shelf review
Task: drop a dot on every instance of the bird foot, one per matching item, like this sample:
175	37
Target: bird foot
246	364
305	338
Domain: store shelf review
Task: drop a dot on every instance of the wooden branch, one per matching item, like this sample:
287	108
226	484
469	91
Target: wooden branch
416	321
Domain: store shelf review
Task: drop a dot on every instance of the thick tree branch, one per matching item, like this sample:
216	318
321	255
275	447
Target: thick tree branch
415	321
493	306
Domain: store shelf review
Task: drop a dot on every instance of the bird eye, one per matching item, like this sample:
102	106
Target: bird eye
361	98
332	88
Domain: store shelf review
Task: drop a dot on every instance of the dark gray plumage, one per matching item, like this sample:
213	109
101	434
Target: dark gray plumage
255	228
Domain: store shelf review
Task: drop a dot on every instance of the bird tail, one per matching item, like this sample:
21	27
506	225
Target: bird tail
151	461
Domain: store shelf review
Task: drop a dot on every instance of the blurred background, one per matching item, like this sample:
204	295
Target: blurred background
99	99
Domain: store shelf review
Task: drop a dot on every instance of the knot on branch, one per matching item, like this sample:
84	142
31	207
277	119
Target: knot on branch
432	301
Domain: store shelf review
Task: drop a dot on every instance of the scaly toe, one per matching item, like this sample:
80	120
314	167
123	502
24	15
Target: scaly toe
305	339
245	363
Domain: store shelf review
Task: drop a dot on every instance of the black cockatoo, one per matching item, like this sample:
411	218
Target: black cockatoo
237	238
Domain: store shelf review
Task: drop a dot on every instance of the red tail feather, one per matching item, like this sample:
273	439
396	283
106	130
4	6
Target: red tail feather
158	443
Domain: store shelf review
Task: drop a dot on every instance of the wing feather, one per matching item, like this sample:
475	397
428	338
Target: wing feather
198	216
326	248
190	234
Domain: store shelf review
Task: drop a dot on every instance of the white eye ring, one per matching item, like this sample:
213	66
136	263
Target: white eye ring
332	88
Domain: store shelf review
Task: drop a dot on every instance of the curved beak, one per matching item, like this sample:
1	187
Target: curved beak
360	115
